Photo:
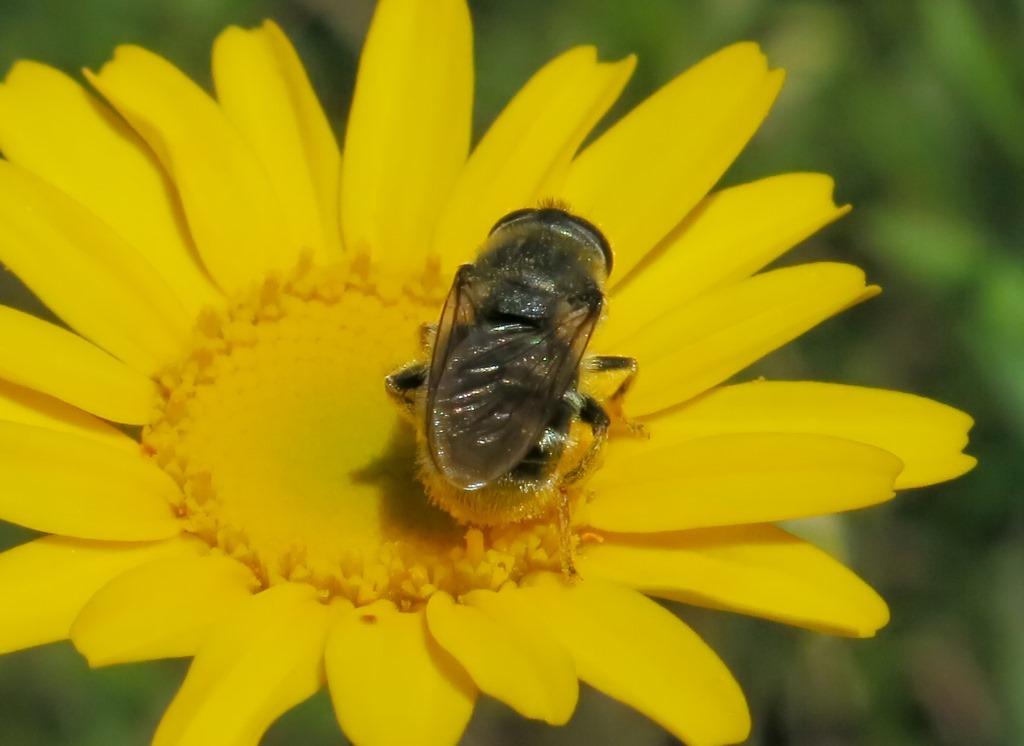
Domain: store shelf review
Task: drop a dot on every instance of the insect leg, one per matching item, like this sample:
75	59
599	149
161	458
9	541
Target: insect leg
625	368
608	363
594	415
403	384
566	550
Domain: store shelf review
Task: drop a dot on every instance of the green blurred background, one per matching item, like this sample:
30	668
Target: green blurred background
917	109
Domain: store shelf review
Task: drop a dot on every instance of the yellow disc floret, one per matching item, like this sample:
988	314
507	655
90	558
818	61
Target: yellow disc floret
292	459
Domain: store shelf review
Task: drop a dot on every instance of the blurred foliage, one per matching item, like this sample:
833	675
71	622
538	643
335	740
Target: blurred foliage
917	109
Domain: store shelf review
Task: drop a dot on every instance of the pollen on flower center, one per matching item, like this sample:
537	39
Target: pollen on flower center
292	459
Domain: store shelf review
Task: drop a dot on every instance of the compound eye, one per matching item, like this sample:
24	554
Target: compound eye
596	237
512	217
569	223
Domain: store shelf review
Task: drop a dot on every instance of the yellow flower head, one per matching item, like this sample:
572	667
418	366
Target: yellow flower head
239	291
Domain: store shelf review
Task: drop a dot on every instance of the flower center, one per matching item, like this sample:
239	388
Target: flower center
292	458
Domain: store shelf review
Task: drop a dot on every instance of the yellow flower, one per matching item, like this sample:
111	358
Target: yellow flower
238	290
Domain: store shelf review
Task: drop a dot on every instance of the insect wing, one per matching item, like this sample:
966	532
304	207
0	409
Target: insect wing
457	317
494	388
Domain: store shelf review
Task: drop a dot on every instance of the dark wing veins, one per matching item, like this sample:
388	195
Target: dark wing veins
495	397
497	392
493	386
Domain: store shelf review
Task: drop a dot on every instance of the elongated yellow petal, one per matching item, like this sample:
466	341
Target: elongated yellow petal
46	358
520	665
27	407
377	656
163	609
730	235
641	177
702	343
928	437
232	210
759	570
51	126
59	483
408	130
535	137
629	647
45	583
258	662
87	274
265	93
727	480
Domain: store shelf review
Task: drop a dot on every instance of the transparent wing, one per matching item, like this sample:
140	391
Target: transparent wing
494	387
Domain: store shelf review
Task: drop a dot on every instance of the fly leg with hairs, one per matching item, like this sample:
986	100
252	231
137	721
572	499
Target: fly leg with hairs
592	413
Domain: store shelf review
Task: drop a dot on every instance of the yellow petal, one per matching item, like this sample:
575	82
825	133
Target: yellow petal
758	570
46	358
632	649
534	137
232	209
261	660
642	176
926	436
378	658
726	480
702	343
265	93
27	407
51	126
59	483
45	583
408	131
86	274
519	664
163	609
730	235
